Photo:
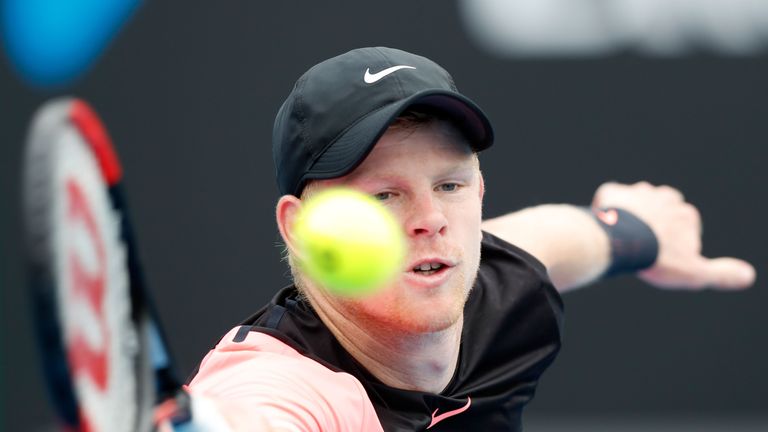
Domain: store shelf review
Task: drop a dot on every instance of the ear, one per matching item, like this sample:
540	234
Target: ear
287	210
482	184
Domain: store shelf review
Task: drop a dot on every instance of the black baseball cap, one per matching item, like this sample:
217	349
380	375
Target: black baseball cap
339	109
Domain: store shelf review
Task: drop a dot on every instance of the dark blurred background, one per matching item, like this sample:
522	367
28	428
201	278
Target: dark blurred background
189	91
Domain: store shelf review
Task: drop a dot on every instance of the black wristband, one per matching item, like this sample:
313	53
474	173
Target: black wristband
633	244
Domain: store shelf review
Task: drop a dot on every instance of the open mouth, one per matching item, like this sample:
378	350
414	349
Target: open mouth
428	268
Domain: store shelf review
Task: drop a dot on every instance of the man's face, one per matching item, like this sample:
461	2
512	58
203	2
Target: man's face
430	180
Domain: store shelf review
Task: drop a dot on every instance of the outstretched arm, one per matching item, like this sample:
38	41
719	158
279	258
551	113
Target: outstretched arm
576	250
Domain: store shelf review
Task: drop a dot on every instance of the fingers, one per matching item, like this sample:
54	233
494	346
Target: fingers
670	193
604	192
662	193
726	273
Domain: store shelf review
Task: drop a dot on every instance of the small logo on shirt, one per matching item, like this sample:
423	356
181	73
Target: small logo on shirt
438	418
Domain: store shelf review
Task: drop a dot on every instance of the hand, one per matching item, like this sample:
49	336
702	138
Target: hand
677	225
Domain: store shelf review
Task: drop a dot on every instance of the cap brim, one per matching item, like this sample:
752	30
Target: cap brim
353	145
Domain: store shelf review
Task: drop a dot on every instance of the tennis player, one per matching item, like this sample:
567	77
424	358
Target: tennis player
459	341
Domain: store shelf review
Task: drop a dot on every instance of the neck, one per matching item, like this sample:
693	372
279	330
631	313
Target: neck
411	361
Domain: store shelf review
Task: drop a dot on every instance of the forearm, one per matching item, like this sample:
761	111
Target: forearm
565	238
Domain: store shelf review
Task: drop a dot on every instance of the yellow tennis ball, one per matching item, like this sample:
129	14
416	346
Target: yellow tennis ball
348	242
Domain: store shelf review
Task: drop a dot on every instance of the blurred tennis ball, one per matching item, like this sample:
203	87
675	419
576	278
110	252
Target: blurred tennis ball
348	242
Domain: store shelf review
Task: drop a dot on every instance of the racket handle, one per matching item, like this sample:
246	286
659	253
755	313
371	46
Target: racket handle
173	412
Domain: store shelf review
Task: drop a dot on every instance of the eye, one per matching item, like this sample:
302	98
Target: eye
382	196
448	187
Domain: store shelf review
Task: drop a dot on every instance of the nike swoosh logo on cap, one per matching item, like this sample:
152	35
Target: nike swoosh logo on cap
445	415
370	78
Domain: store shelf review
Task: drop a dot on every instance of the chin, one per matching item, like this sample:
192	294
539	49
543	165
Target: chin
397	311
431	323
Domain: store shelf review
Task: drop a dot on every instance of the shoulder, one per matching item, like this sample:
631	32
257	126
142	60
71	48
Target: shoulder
500	253
510	278
268	375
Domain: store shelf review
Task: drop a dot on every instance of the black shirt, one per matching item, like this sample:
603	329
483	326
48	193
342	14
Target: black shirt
511	334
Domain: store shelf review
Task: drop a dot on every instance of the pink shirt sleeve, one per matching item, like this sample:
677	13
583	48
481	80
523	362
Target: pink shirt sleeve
262	376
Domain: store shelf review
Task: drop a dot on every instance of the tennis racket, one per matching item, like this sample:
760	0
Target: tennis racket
105	357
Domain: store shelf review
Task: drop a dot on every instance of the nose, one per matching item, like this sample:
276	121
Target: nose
426	218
